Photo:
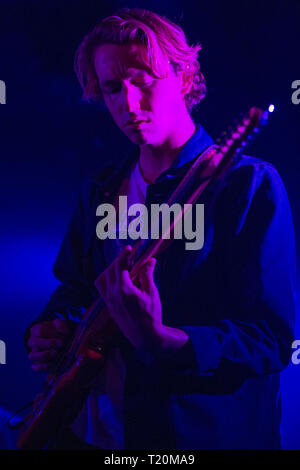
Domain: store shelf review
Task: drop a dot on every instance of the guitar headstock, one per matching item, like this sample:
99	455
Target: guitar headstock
234	140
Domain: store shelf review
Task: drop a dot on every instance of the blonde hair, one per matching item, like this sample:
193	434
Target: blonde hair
160	36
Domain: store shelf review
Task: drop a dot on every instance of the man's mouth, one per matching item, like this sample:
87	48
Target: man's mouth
137	123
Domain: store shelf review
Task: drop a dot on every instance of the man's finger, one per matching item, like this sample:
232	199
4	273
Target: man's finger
100	284
123	259
45	329
122	271
61	326
42	357
146	276
40	367
40	344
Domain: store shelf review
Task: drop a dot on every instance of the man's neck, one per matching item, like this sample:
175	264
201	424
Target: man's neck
155	160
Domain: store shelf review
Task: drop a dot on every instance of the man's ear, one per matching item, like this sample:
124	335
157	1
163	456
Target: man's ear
186	80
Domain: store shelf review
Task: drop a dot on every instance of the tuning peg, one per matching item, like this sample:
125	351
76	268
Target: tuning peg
246	121
236	135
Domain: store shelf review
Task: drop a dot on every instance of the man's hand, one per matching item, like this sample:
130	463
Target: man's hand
136	306
46	340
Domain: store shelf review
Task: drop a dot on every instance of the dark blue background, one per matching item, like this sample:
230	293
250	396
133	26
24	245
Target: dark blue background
50	140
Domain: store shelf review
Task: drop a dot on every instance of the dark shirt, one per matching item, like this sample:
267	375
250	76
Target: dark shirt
234	298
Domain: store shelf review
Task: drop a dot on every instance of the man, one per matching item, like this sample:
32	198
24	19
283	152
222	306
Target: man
205	333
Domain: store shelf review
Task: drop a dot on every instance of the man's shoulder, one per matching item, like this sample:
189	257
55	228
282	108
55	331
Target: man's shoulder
113	172
253	171
104	182
92	185
251	180
250	164
100	176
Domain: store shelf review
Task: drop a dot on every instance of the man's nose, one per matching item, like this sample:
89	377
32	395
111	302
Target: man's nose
132	98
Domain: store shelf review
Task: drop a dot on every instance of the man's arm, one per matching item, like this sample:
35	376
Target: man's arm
255	332
256	299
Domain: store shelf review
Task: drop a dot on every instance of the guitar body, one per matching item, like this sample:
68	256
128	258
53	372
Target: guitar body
50	411
51	416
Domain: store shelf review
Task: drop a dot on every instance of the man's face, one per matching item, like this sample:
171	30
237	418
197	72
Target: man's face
132	93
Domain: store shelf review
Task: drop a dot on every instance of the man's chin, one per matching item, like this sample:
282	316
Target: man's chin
139	138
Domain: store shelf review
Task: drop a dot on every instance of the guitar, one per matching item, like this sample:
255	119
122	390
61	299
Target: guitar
83	360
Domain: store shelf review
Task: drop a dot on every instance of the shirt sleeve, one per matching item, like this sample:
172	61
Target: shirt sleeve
255	330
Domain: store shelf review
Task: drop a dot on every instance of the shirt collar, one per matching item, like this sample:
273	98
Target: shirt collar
199	141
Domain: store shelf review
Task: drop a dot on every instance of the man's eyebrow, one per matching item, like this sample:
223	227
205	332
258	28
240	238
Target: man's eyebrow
132	75
109	82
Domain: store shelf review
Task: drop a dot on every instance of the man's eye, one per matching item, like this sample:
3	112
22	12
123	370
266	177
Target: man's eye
111	91
144	83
